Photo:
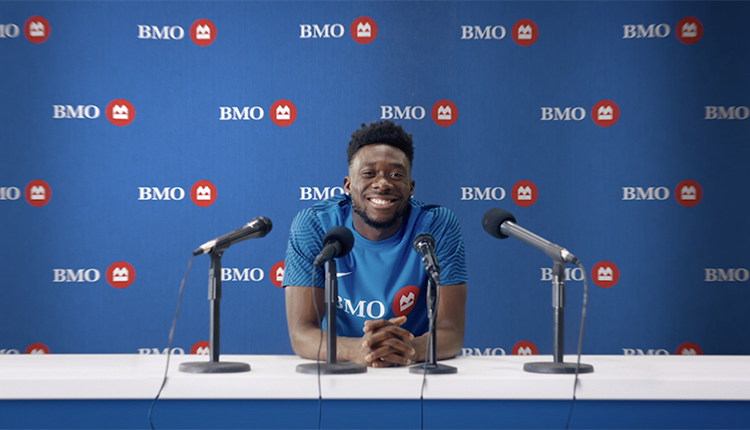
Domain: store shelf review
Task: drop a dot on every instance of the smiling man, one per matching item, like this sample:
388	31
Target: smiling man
382	285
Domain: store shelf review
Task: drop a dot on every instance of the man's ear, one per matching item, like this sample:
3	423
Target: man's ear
347	185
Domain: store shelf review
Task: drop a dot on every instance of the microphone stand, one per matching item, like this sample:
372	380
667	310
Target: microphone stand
214	295
331	367
558	303
430	365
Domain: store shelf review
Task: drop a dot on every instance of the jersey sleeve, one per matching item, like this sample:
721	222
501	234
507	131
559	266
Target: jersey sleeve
305	239
449	247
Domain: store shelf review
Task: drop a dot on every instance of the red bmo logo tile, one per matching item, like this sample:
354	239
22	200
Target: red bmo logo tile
524	32
363	30
283	113
203	32
688	193
37	193
444	113
605	274
120	274
36	29
524	347
203	193
689	30
404	300
605	113
120	112
524	193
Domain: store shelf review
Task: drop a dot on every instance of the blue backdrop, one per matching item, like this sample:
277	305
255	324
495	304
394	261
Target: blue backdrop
118	116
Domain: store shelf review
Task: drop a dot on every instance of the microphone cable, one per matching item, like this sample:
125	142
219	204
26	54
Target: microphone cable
580	341
320	347
426	354
169	345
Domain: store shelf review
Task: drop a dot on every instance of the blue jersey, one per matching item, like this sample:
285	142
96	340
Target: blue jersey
376	280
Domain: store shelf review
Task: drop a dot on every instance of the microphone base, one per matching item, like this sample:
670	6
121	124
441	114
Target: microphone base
432	369
214	367
347	367
557	368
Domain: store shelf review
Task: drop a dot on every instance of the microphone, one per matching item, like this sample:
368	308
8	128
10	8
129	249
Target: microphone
257	227
502	224
337	242
424	244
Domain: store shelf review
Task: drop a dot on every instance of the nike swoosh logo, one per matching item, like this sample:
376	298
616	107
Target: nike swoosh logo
338	275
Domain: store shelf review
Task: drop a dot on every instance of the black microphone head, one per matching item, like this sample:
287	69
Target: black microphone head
423	238
265	225
343	236
493	219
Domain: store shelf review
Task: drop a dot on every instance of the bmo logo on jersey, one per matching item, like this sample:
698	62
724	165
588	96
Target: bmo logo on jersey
315	193
202	32
373	310
202	193
524	347
404	300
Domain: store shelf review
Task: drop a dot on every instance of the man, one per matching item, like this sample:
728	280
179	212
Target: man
382	284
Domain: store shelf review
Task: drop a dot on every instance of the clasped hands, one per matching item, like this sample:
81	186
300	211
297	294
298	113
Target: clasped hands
386	344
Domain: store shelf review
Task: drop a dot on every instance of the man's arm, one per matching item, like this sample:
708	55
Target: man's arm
389	350
305	332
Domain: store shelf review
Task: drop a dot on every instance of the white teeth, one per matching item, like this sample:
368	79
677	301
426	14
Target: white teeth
380	202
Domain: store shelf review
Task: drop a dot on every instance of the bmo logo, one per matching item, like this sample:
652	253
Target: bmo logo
524	32
688	30
202	193
201	347
282	113
373	310
571	274
726	113
276	274
202	32
119	275
244	275
315	193
605	274
36	29
726	275
404	300
119	112
604	113
37	193
637	351
688	193
165	351
9	352
443	113
524	347
363	30
9	31
487	352
524	193
37	348
479	193
688	348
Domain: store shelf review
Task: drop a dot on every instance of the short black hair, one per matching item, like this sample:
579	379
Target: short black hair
380	132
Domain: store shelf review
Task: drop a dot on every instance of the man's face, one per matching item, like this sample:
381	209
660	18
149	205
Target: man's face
380	187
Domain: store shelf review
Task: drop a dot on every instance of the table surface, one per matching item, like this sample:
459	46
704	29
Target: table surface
132	376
